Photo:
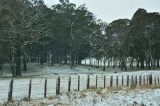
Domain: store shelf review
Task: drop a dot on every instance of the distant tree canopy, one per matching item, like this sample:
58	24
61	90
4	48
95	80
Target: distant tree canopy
67	34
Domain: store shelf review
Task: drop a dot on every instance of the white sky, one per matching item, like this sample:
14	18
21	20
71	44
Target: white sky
109	10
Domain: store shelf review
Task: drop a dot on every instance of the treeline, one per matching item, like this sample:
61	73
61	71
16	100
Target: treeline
134	41
32	32
67	34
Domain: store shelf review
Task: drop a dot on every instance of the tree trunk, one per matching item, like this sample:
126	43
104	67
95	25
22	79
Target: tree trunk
142	63
1	65
98	63
108	63
111	62
137	63
94	61
154	63
123	64
72	60
114	62
1	68
131	63
18	56
65	59
12	64
38	58
149	65
104	63
79	61
18	62
24	65
158	63
60	60
52	59
90	61
42	59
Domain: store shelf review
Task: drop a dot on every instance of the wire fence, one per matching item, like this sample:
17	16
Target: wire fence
36	88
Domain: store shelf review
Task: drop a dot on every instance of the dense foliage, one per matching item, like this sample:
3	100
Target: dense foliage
67	34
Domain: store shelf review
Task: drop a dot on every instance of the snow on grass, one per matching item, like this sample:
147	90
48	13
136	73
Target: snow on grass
21	85
99	97
34	69
38	75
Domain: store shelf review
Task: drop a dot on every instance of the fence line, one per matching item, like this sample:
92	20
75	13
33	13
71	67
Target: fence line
113	81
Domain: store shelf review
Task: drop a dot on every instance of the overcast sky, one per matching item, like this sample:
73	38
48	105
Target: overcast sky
109	10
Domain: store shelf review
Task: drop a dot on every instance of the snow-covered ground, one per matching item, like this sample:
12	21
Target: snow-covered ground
38	75
34	69
99	97
21	85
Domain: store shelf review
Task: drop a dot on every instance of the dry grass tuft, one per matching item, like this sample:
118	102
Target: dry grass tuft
149	86
26	99
52	97
133	86
113	89
61	104
142	87
98	91
82	95
92	87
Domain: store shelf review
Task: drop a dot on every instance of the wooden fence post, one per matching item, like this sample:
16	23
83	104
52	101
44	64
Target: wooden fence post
88	79
122	80
127	80
155	82
69	84
45	88
111	81
144	80
132	82
140	80
150	79
29	91
78	82
96	80
147	80
117	81
104	81
10	91
136	80
158	80
58	86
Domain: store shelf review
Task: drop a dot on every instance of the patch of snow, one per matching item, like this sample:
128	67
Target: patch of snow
92	98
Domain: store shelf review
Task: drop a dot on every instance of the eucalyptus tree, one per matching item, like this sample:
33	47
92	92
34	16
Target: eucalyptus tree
143	35
62	23
20	28
72	37
98	40
4	46
83	30
115	33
